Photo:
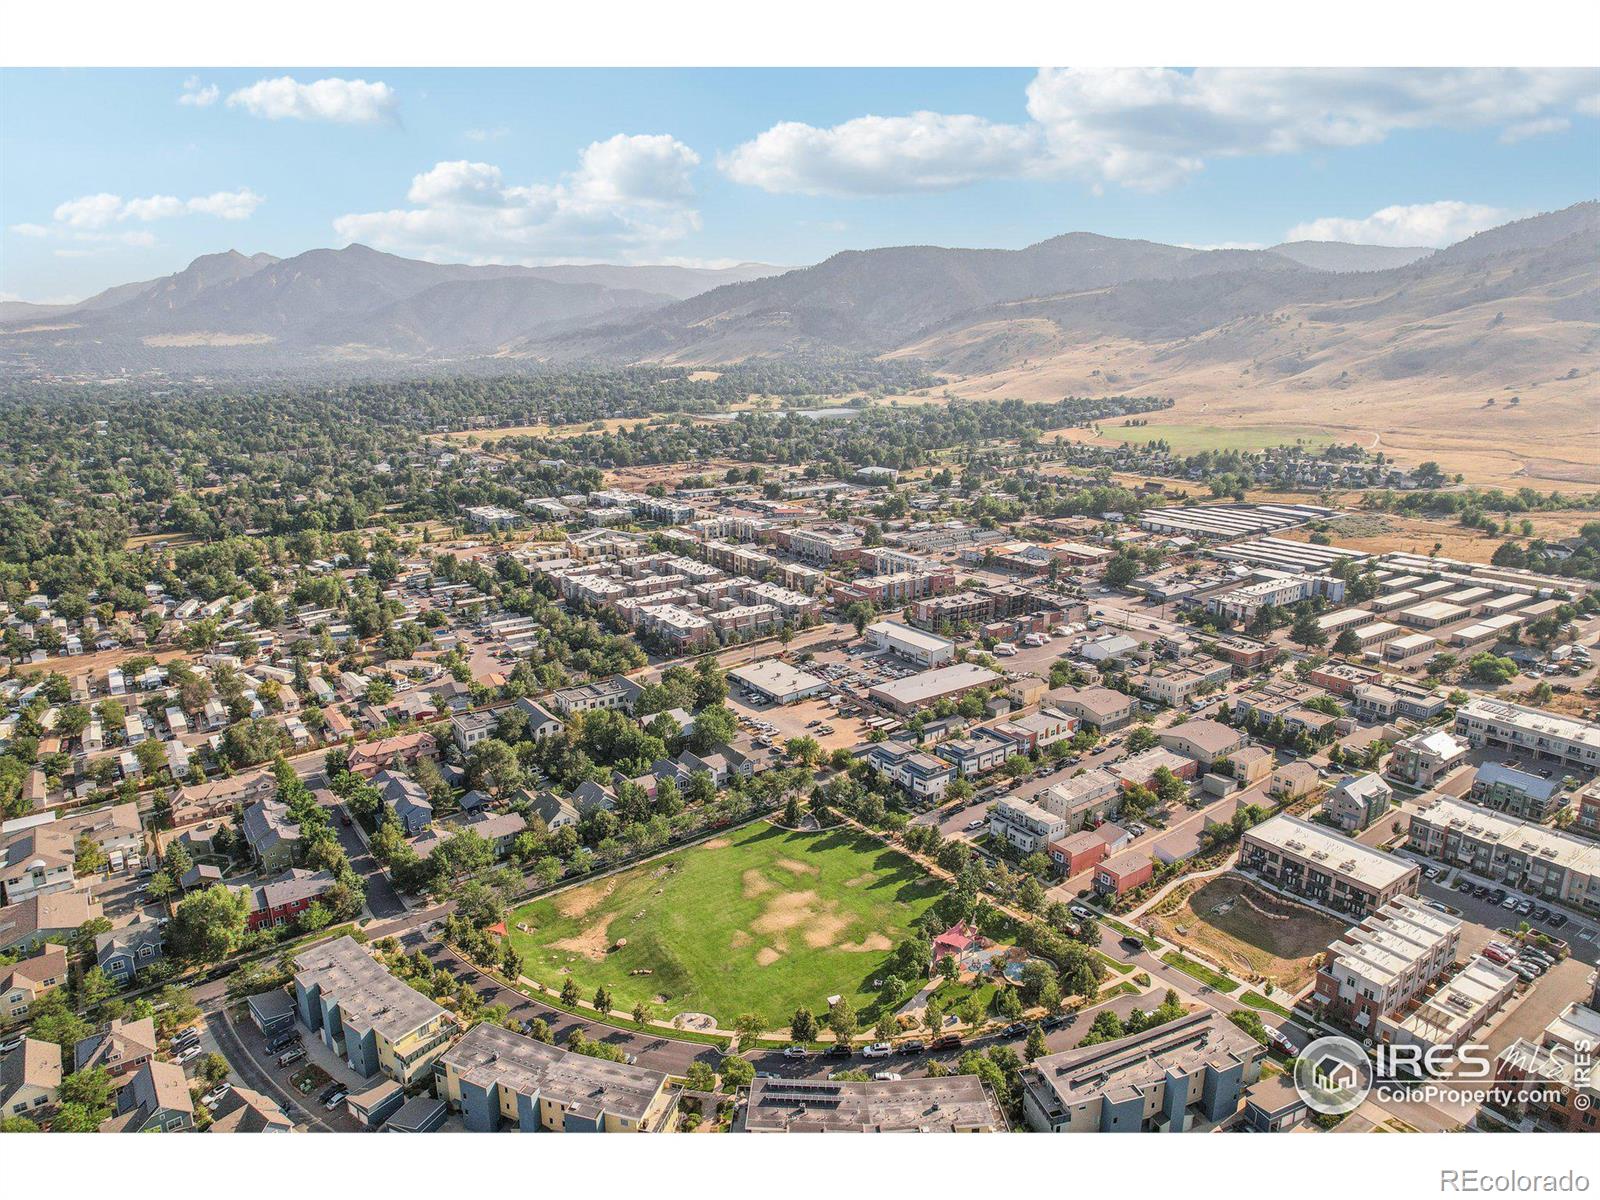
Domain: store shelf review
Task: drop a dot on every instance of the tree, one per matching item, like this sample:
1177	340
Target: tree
736	1072
1347	643
1122	570
1491	668
602	999
1307	632
208	925
569	993
700	1077
213	1069
842	1020
1036	1044
886	1026
803	1026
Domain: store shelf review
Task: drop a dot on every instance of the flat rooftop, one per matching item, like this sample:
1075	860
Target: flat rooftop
1124	1069
930	685
1315	843
950	1104
776	678
1565	850
490	1055
365	992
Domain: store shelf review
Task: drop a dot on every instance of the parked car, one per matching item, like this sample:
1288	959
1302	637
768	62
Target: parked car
1131	944
950	1041
878	1050
914	1046
796	1052
887	1077
338	1099
9	1045
1509	903
840	1050
188	1052
282	1042
1557	920
214	1096
293	1056
1496	956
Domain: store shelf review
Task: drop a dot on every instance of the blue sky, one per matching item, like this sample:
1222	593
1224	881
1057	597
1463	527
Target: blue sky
114	175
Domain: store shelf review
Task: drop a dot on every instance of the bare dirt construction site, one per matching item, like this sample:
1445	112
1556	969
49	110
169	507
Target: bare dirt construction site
1247	929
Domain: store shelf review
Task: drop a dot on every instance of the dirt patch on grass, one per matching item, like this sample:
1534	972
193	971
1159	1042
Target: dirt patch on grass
582	901
872	942
740	939
755	883
593	942
860	880
766	956
814	919
795	866
716	844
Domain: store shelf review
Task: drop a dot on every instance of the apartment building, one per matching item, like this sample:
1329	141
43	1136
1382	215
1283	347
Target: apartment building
923	776
377	1023
1241	604
1025	825
1544	862
1185	1075
498	1079
1323	867
1532	731
1101	708
1083	800
981	751
1176	684
1425	757
1380	965
1356	801
616	692
951	1104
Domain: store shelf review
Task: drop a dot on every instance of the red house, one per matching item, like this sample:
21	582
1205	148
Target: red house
1077	853
1123	873
286	897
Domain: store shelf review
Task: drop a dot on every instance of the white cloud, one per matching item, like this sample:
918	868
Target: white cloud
1149	128
344	101
104	216
105	208
1438	224
628	196
872	155
196	95
1535	128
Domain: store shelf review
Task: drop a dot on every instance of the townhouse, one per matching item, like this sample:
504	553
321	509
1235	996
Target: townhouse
30	1079
1356	801
1501	725
1204	741
123	953
1085	799
1025	825
1549	863
1380	965
155	1100
981	751
923	776
1325	868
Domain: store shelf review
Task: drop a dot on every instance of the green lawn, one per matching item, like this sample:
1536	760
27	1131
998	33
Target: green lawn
1188	438
1200	971
761	921
1253	1000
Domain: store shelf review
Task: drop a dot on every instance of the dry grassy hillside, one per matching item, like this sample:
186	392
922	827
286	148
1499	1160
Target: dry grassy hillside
1411	372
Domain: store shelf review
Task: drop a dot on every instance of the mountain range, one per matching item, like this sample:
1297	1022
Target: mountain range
1522	298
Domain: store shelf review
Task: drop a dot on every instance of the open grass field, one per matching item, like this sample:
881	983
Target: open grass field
762	921
1247	930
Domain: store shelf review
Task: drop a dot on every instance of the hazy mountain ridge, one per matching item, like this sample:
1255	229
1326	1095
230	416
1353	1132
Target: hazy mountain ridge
1297	314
